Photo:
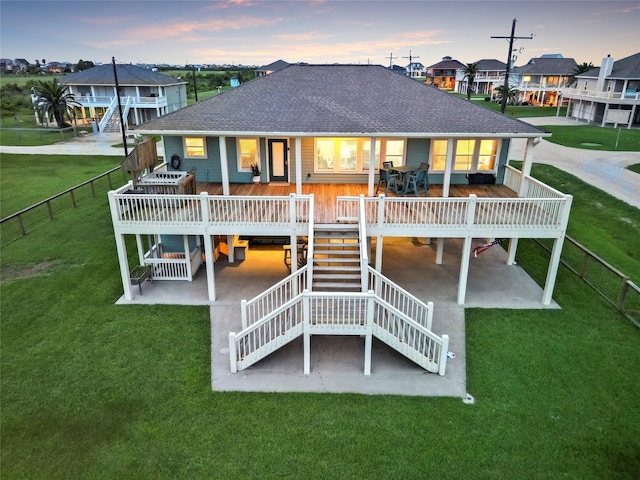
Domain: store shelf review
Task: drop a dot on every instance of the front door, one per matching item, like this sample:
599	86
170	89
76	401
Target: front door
278	161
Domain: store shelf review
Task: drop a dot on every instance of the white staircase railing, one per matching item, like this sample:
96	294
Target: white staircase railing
364	254
327	313
108	114
400	299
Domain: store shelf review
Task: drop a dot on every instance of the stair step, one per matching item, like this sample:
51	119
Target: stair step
335	276
335	252
340	227
336	286
336	268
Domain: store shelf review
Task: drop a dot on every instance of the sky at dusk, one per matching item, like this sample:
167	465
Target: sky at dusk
253	32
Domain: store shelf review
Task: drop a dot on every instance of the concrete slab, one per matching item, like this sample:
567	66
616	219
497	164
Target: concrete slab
338	361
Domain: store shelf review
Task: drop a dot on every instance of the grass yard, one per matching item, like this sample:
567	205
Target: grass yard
92	390
28	179
605	225
634	168
593	137
34	137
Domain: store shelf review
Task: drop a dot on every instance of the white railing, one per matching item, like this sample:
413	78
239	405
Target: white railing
310	242
326	313
536	189
147	209
108	114
266	336
405	212
400	299
348	208
105	101
204	211
512	178
598	94
168	268
411	339
271	299
517	213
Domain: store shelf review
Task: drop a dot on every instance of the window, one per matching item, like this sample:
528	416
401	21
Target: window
195	147
469	155
353	155
248	153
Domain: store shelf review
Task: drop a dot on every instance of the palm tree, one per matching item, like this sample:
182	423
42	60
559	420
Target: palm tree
512	94
581	68
53	99
470	72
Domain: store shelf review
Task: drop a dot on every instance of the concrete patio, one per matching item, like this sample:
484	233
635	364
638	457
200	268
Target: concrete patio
337	362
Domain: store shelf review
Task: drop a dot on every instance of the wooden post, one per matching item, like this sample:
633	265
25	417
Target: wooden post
298	166
224	165
372	167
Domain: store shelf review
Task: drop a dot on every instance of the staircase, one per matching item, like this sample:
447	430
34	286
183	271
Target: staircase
336	258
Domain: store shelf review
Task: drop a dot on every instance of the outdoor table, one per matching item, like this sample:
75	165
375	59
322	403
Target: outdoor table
404	171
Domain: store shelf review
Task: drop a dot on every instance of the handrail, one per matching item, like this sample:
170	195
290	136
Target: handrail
400	298
282	292
106	118
287	322
310	242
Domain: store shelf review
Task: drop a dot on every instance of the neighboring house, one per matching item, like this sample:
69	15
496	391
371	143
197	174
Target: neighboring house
540	80
443	74
272	67
21	64
320	128
490	75
415	70
144	95
607	94
6	65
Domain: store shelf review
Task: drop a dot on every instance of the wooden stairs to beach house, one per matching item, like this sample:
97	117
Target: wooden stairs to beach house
336	258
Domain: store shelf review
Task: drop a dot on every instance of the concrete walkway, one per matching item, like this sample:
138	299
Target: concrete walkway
605	170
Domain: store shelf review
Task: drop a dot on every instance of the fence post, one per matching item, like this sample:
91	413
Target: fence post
21	225
243	310
73	198
623	293
50	210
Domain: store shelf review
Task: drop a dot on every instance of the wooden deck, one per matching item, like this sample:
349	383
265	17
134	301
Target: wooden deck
325	194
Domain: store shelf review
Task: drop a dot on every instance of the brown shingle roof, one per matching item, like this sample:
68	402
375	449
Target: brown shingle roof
128	75
337	100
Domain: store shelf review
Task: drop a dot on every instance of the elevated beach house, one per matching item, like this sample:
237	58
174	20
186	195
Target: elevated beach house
323	137
144	95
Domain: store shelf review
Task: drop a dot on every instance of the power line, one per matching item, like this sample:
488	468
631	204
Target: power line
411	63
511	38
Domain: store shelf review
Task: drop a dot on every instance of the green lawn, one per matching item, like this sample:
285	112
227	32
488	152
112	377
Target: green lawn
634	168
593	137
92	390
28	179
35	137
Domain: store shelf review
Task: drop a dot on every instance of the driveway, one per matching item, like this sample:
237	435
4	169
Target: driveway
603	169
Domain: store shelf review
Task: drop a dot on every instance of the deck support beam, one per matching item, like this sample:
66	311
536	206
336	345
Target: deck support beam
448	168
511	251
124	266
224	166
552	271
464	270
298	166
210	257
439	250
372	167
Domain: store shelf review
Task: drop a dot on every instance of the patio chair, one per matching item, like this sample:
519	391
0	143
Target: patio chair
418	182
387	164
390	181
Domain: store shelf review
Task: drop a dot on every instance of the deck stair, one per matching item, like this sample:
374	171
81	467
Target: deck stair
336	258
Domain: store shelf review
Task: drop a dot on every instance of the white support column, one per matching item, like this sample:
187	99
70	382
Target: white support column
124	266
527	162
379	241
604	116
439	250
293	236
511	252
298	166
140	249
224	165
187	256
210	256
448	168
230	252
633	115
552	271
368	338
372	167
464	270
305	328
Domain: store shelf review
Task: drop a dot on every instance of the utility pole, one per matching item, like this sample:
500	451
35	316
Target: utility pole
410	64
124	135
195	87
391	57
511	38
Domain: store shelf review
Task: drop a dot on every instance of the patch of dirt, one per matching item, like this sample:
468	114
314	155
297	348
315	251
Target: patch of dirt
17	272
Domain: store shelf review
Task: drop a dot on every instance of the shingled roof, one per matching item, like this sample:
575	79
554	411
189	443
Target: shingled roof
128	75
547	66
627	68
345	100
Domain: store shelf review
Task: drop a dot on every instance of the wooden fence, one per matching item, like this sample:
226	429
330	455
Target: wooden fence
612	284
22	222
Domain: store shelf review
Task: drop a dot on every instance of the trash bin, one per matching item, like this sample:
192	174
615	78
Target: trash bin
240	249
94	127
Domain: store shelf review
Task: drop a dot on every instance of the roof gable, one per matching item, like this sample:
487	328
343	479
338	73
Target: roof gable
128	75
356	100
548	66
627	68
